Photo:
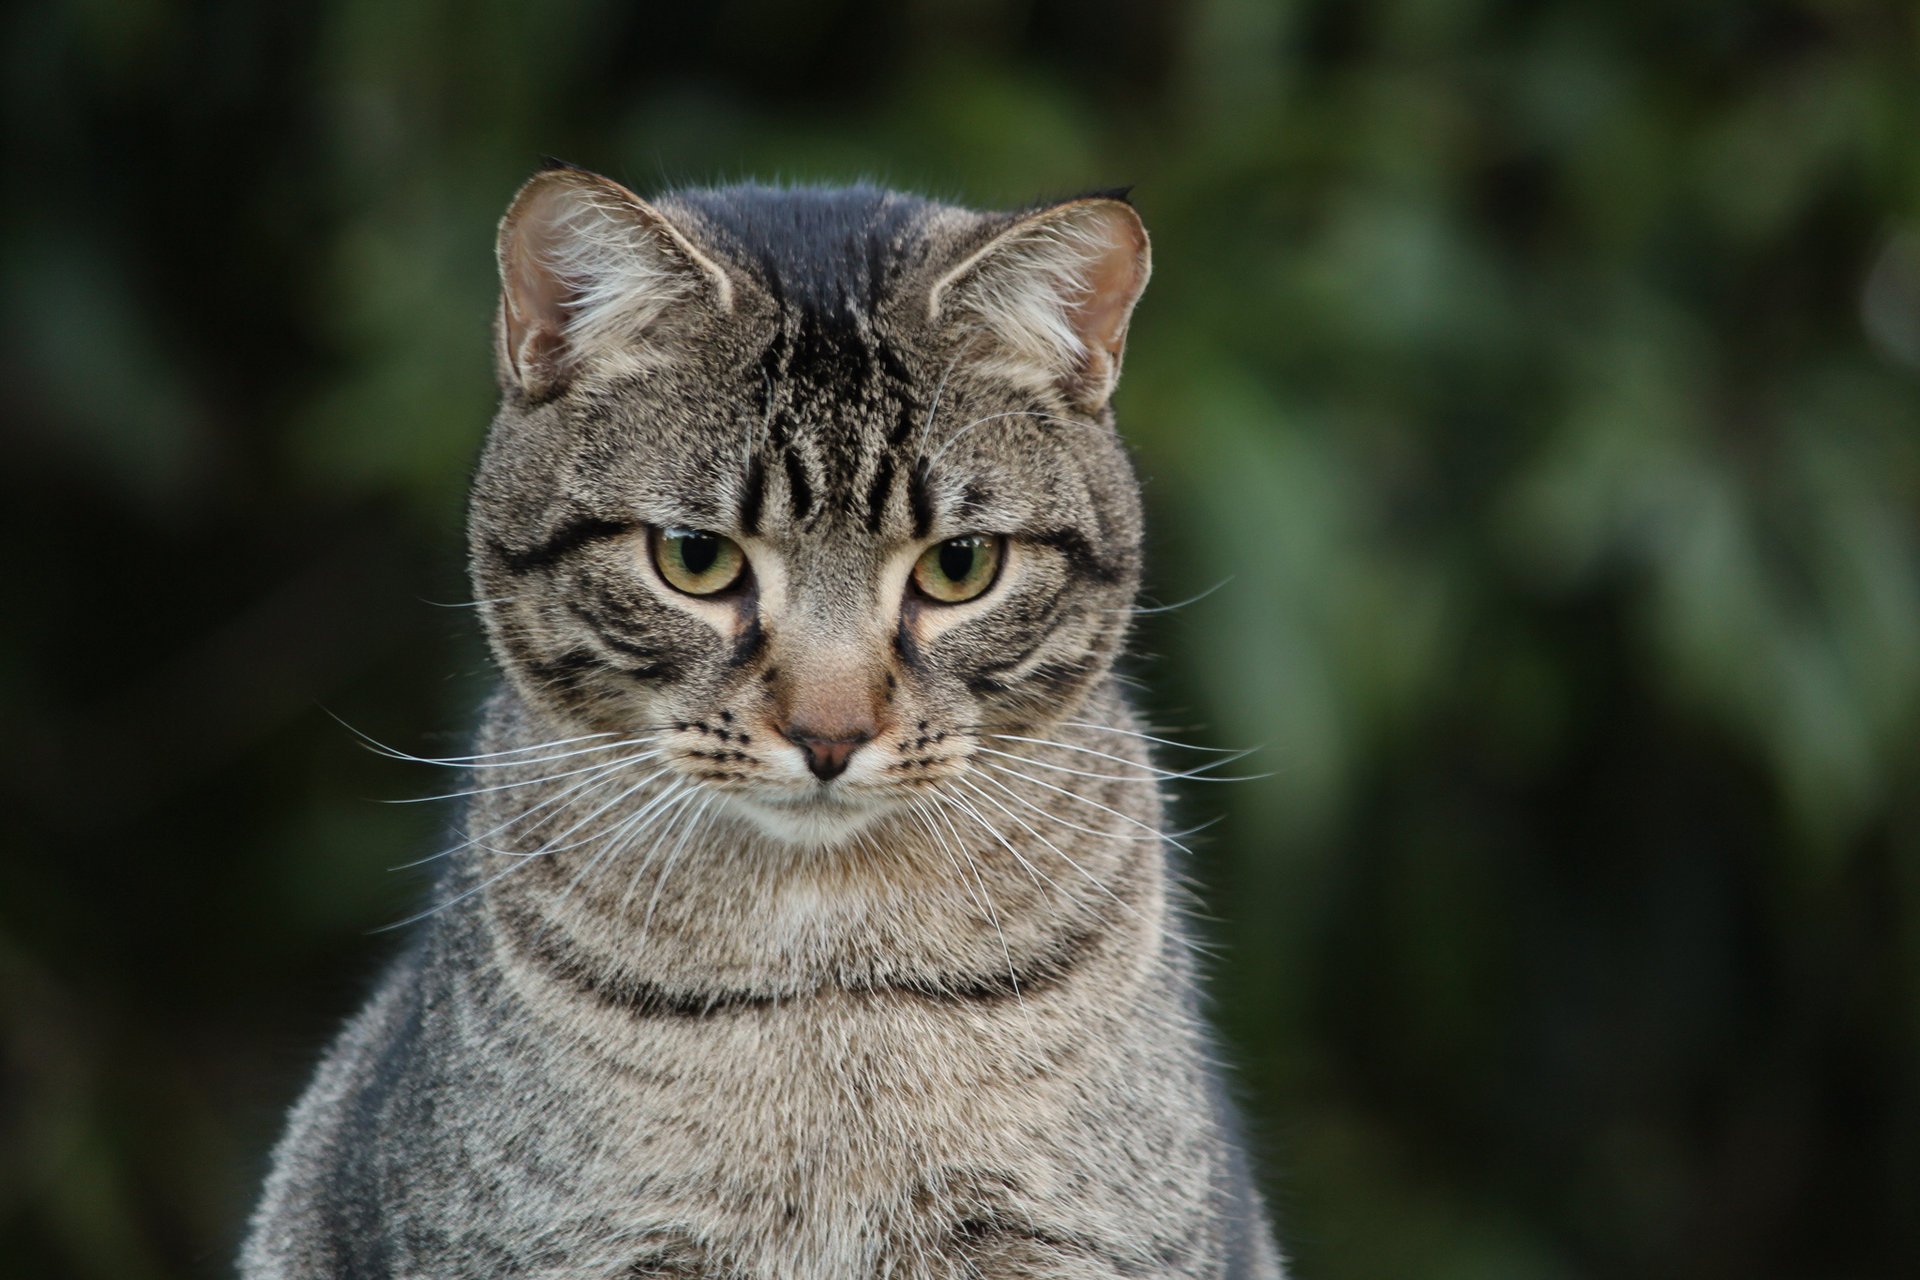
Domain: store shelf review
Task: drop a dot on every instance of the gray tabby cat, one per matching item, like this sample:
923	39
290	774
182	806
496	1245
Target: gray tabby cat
813	920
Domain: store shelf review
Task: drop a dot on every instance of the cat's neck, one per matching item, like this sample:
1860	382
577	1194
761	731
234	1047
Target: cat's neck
589	861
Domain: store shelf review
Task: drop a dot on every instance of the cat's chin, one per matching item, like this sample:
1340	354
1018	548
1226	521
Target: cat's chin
811	821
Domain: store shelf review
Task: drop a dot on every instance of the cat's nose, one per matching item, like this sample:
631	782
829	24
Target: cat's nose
827	757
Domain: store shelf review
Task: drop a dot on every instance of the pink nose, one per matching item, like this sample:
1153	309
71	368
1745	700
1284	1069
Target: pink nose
826	757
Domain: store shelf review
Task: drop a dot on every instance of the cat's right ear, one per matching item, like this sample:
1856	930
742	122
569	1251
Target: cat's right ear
591	274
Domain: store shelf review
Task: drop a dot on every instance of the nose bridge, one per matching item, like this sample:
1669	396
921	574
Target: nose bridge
832	663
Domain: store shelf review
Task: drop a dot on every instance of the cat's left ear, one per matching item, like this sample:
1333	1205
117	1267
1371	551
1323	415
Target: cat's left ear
1050	296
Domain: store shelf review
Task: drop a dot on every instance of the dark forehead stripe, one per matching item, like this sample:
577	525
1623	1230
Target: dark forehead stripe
753	492
821	251
799	488
828	259
920	499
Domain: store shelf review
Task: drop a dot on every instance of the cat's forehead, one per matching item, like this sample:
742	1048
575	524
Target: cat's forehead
823	405
831	468
829	254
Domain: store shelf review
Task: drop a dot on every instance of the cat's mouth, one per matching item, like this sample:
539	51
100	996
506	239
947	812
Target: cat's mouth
822	815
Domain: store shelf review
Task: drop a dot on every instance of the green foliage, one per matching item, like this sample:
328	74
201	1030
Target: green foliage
1533	391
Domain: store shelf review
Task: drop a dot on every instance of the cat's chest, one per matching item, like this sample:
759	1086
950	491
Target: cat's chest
797	1144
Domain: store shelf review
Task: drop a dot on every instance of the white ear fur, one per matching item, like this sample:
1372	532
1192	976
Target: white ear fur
1052	295
587	269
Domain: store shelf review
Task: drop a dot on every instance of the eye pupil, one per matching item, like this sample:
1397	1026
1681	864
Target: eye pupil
698	551
956	559
696	561
959	569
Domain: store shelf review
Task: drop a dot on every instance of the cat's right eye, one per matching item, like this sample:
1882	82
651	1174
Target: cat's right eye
696	561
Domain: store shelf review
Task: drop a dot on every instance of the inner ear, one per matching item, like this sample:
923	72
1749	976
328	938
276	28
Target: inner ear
1049	298
591	272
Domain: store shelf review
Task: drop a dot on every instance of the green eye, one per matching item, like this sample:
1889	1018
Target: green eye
697	562
958	569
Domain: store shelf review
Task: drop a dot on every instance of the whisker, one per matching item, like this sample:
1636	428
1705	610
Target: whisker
1187	944
529	782
590	785
607	846
462	896
1231	756
986	900
1147	737
545	849
481	765
1146	610
1095	804
641	824
1062	854
382	747
467	604
394	753
939	388
1148	772
960	803
686	831
646	860
1033	873
1045	813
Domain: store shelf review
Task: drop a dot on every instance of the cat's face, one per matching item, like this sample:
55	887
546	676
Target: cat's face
809	489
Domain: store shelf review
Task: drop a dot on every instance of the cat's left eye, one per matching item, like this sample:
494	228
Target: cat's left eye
696	561
959	569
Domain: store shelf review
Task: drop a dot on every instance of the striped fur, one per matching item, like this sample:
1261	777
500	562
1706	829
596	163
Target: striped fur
683	1009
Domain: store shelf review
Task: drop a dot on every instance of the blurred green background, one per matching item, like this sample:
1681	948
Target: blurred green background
1542	382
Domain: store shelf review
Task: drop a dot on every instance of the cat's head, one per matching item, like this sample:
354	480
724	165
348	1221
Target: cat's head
818	485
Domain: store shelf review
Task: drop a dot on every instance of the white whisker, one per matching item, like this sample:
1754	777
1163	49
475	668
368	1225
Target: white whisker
1147	737
1154	836
1145	610
985	901
590	785
467	604
687	828
1075	795
1148	772
1060	853
620	799
608	845
529	782
960	803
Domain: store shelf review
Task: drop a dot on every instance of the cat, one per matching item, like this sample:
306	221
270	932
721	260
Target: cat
812	919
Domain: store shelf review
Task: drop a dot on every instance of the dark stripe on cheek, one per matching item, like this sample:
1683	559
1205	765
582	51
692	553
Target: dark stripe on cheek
905	646
561	543
565	676
1079	553
654	664
985	676
748	646
1061	677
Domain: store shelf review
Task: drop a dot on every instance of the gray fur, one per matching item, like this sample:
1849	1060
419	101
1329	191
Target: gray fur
701	1014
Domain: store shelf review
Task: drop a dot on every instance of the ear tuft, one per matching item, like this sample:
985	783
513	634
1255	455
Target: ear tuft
1051	296
591	273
